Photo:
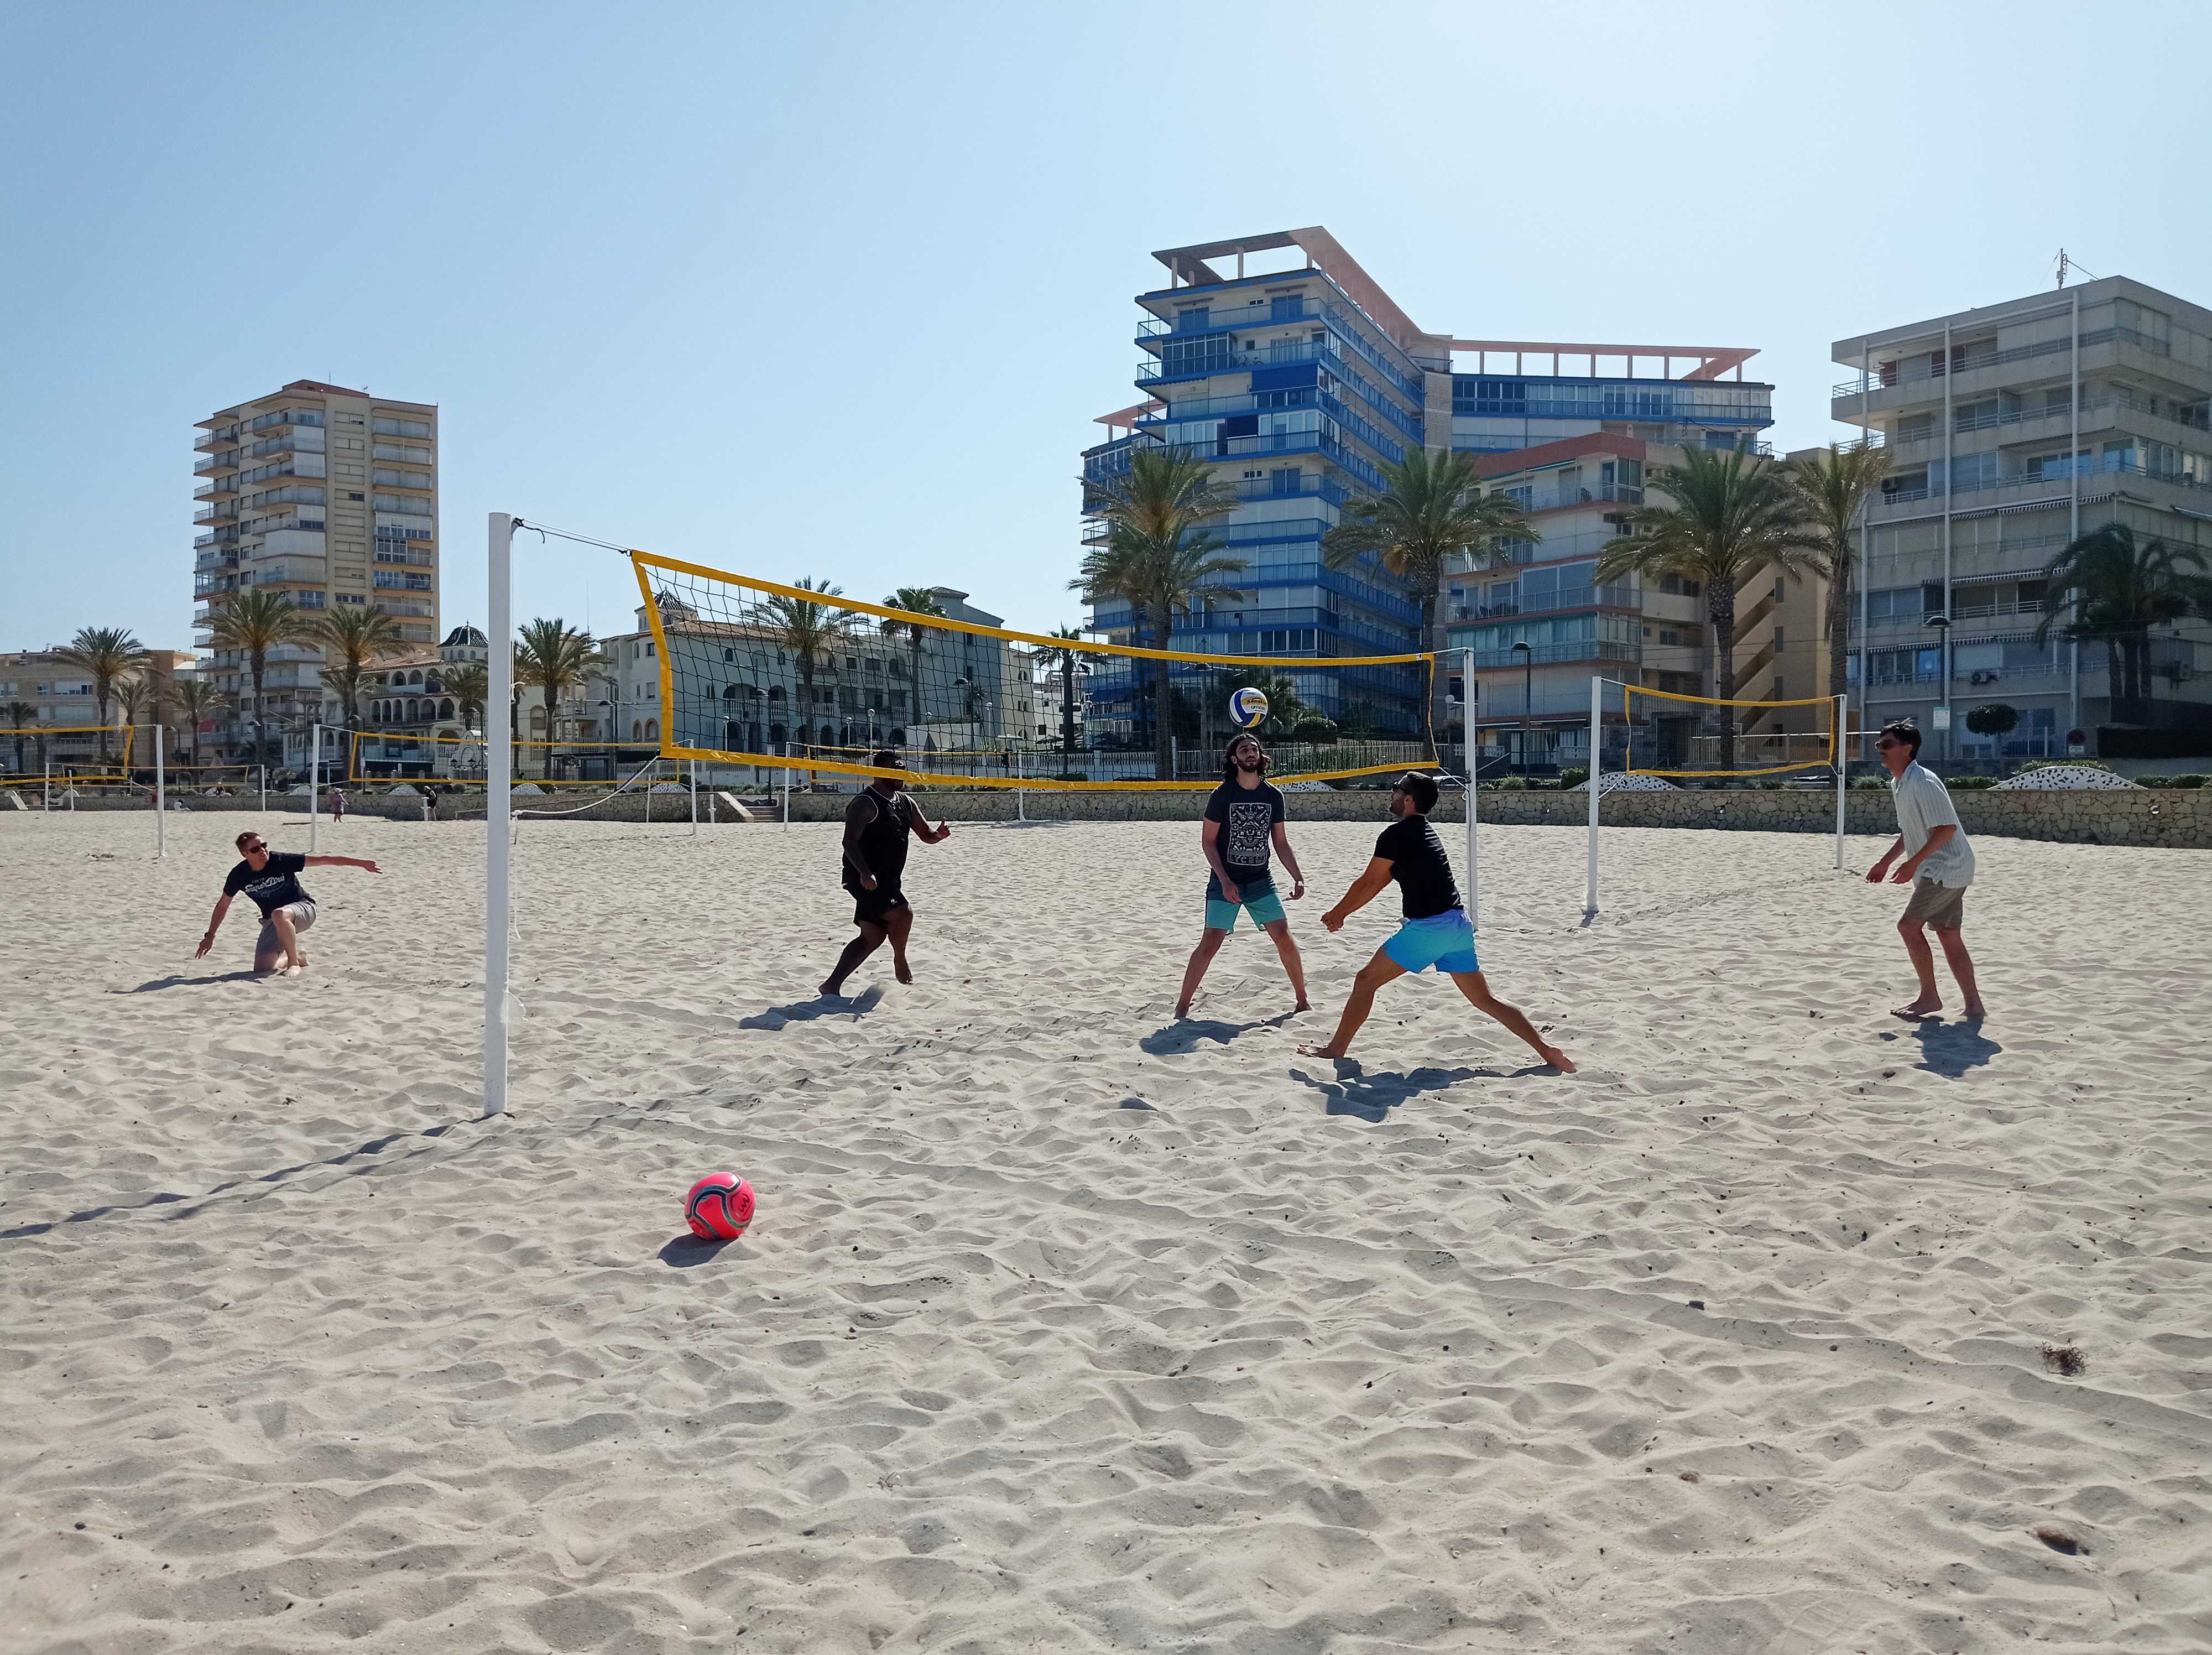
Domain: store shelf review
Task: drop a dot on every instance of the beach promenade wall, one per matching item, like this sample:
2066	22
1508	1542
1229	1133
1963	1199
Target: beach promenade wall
2174	818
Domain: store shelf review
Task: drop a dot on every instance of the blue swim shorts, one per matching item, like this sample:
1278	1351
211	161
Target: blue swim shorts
1260	901
1444	940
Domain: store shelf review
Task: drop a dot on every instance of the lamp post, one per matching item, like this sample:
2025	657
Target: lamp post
1528	696
1942	625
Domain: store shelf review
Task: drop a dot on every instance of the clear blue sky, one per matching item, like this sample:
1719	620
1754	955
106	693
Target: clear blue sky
838	289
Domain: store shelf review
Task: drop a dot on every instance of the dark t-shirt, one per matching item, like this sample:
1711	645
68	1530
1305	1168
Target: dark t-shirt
1416	855
274	886
882	843
1248	818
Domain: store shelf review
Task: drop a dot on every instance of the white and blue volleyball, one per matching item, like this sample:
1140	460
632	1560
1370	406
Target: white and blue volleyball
1247	708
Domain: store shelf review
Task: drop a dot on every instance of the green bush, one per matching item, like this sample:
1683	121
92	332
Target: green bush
1971	783
1573	777
2155	780
2190	781
1515	784
1866	783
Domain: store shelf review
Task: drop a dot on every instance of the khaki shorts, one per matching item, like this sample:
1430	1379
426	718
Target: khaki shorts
1943	906
303	915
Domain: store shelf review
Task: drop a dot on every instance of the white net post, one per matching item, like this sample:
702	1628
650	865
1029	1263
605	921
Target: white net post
314	785
1473	779
787	790
499	780
693	778
1843	758
160	799
1021	794
1596	755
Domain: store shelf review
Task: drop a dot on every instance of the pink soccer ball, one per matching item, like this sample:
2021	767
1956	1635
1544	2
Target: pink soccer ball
719	1207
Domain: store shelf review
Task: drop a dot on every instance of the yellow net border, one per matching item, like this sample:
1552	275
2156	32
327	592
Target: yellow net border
114	770
1630	768
640	562
355	774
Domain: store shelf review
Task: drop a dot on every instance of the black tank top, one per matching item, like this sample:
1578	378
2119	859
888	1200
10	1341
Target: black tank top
883	842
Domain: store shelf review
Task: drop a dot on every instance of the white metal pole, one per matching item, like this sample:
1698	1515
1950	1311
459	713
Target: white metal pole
46	788
1474	782
695	798
161	798
1842	762
1597	716
1021	794
314	786
498	781
787	785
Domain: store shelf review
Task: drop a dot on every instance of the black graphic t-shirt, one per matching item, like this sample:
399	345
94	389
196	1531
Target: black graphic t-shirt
276	884
1416	855
1248	818
882	843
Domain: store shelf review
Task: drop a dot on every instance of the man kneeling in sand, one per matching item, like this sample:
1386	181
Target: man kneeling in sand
271	878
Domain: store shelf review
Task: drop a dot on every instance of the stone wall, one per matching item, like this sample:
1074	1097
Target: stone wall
2171	818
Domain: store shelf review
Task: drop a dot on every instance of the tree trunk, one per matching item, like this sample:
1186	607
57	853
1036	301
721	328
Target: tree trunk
99	704
1163	705
1839	633
1723	614
260	717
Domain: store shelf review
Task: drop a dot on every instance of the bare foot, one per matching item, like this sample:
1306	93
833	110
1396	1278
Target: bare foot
1182	1010
1926	1006
1303	1005
903	971
1976	1011
832	990
1317	1048
1558	1060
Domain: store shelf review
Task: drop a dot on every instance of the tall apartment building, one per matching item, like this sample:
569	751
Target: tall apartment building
1298	382
2014	429
330	495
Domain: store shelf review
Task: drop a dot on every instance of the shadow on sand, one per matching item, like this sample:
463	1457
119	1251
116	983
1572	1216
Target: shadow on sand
1371	1098
1187	1034
1952	1049
686	1251
805	1011
173	981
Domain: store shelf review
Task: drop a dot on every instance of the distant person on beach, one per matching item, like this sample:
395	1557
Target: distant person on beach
271	878
1939	866
337	805
1243	818
1435	931
871	865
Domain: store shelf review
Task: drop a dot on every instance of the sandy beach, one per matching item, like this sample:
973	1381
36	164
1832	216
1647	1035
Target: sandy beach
1064	1326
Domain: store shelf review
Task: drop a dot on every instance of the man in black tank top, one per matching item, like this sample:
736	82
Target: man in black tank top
1434	932
871	866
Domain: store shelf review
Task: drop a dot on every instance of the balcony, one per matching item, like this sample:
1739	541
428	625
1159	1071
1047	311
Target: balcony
1560	499
226	461
1551	603
1926	366
414	559
207	441
284	416
1545	655
216	514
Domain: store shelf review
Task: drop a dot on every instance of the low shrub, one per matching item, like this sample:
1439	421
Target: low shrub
2190	781
1513	784
1573	777
1971	783
1866	783
2158	781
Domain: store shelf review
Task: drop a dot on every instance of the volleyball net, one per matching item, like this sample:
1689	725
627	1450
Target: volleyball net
753	671
458	761
1671	734
33	754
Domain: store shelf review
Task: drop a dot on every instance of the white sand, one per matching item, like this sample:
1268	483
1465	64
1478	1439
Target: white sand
1061	1329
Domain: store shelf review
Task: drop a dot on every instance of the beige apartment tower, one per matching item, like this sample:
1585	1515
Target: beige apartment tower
328	495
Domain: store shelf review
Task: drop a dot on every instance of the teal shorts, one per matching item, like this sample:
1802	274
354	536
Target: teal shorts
1260	901
1444	940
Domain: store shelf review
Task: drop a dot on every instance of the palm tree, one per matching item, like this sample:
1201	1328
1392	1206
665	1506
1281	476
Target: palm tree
253	623
1157	577
1733	515
808	631
1830	487
914	600
1158	554
351	637
141	698
1067	664
21	715
553	656
1431	507
468	682
104	654
2112	589
192	699
1288	712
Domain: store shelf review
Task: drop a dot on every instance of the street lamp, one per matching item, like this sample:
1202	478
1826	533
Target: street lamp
1528	696
1942	625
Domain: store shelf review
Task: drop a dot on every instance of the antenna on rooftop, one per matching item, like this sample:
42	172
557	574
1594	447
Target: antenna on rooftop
2065	263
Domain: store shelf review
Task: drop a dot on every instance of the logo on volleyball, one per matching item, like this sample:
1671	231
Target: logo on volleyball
719	1206
1247	707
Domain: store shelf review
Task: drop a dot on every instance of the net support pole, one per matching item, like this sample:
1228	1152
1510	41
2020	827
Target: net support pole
787	789
264	789
498	781
46	788
160	799
1843	758
1596	752
1021	794
314	785
1474	778
695	798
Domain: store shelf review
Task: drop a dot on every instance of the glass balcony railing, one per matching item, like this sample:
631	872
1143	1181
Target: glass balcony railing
1929	365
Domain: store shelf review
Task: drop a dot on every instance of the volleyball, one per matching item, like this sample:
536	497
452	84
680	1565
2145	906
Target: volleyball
719	1207
1247	707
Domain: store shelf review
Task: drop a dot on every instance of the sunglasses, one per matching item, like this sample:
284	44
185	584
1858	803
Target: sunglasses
1886	744
250	849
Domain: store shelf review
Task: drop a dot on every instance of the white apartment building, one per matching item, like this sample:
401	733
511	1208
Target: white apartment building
2014	428
329	494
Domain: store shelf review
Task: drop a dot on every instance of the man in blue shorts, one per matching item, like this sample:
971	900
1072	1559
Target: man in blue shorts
1435	932
1243	818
